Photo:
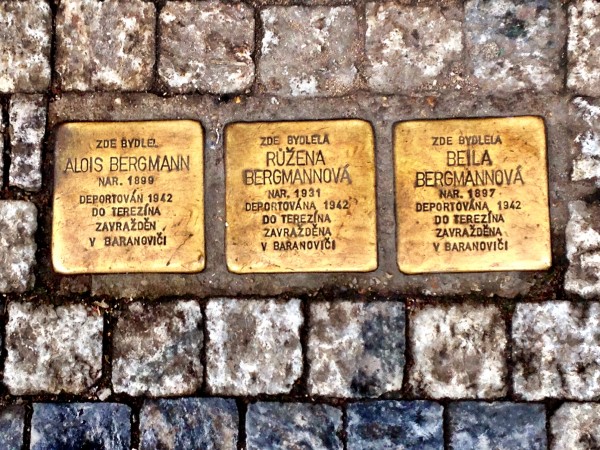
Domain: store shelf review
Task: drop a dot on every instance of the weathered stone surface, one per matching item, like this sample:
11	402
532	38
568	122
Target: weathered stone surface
410	48
210	423
515	45
80	426
52	349
18	224
409	425
12	424
283	426
25	36
583	51
499	425
27	127
576	426
309	51
253	346
458	351
356	349
586	163
206	46
156	349
105	45
556	350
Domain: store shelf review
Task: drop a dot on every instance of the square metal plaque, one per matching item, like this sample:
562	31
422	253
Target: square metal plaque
472	195
300	197
128	197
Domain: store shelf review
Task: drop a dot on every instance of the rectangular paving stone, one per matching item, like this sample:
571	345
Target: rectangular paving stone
206	46
18	224
52	349
27	116
156	349
80	426
210	423
298	57
412	47
498	425
575	426
458	351
356	349
253	346
12	426
583	76
407	425
556	350
25	36
283	426
105	45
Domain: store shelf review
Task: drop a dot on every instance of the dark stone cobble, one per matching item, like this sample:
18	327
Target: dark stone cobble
12	424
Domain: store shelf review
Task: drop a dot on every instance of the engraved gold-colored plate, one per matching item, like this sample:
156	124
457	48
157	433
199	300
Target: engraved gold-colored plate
300	197
128	197
472	195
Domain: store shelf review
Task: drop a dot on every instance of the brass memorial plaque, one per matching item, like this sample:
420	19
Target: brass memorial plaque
300	197
472	195
128	197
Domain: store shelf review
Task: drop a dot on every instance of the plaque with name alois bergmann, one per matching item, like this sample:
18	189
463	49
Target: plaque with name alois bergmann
300	197
472	195
128	197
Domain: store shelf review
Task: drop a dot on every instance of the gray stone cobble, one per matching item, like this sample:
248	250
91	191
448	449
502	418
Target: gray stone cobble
515	45
297	56
25	36
408	425
576	426
52	349
206	46
253	346
411	47
71	426
27	127
583	52
156	349
105	45
12	425
458	351
356	349
210	423
499	425
18	224
585	113
556	350
287	426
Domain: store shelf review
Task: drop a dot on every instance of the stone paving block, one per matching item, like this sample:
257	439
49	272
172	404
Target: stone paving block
12	425
27	115
210	423
576	426
156	349
105	45
288	426
69	426
583	52
52	349
586	144
556	350
499	425
206	46
18	224
515	44
407	425
356	349
25	37
458	351
411	47
309	51
253	346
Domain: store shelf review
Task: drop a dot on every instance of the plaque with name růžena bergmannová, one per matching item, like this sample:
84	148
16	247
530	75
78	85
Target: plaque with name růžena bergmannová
300	197
128	197
472	195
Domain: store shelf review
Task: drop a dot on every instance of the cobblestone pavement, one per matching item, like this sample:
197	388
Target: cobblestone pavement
379	360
